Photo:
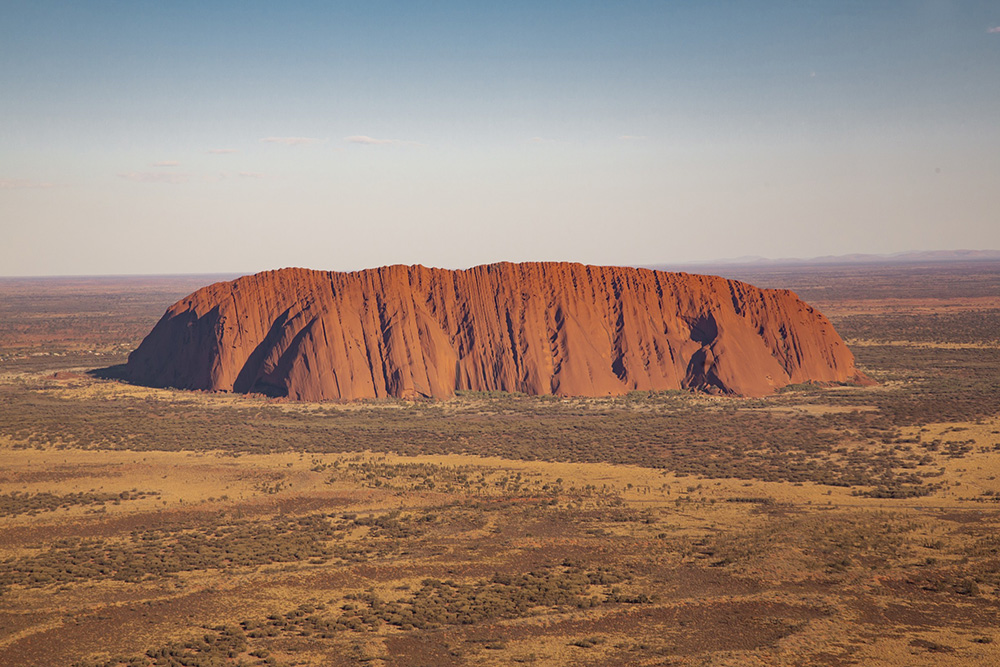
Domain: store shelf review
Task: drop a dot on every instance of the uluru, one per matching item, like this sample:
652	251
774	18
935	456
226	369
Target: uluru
537	328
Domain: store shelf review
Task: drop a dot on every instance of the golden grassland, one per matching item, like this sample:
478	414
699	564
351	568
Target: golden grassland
708	570
821	526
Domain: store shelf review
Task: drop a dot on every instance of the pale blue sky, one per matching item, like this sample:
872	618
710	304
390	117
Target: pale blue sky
152	137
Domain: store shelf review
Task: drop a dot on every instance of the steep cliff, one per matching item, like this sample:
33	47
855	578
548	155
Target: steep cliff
538	328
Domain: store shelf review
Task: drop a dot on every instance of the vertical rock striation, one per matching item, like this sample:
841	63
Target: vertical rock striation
538	328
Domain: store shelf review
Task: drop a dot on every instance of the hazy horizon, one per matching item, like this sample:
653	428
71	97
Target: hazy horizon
220	138
717	263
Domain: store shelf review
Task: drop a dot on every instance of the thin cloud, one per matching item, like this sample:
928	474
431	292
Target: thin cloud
227	175
166	163
995	30
372	141
222	151
23	184
155	177
632	137
290	141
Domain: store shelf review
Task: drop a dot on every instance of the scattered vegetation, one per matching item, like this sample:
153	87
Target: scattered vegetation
12	504
153	553
221	645
439	603
326	543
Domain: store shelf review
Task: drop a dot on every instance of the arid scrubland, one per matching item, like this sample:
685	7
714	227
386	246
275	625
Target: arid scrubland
821	526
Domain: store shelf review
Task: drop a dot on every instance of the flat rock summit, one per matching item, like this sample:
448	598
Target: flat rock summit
537	328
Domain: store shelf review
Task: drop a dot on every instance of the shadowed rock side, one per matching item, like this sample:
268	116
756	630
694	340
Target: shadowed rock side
538	328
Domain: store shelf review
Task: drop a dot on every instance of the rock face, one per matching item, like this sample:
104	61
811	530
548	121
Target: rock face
538	328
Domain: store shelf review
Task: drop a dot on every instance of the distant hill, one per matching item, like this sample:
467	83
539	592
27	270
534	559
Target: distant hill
913	257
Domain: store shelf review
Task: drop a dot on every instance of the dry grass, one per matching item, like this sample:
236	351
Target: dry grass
647	530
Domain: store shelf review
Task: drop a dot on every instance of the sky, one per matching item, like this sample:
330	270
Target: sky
238	136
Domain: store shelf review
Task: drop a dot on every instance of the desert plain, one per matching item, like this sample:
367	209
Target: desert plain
823	525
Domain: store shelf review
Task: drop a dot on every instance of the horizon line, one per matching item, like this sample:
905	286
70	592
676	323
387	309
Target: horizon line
870	259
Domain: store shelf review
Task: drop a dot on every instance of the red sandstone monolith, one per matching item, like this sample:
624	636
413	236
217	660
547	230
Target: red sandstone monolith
537	328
